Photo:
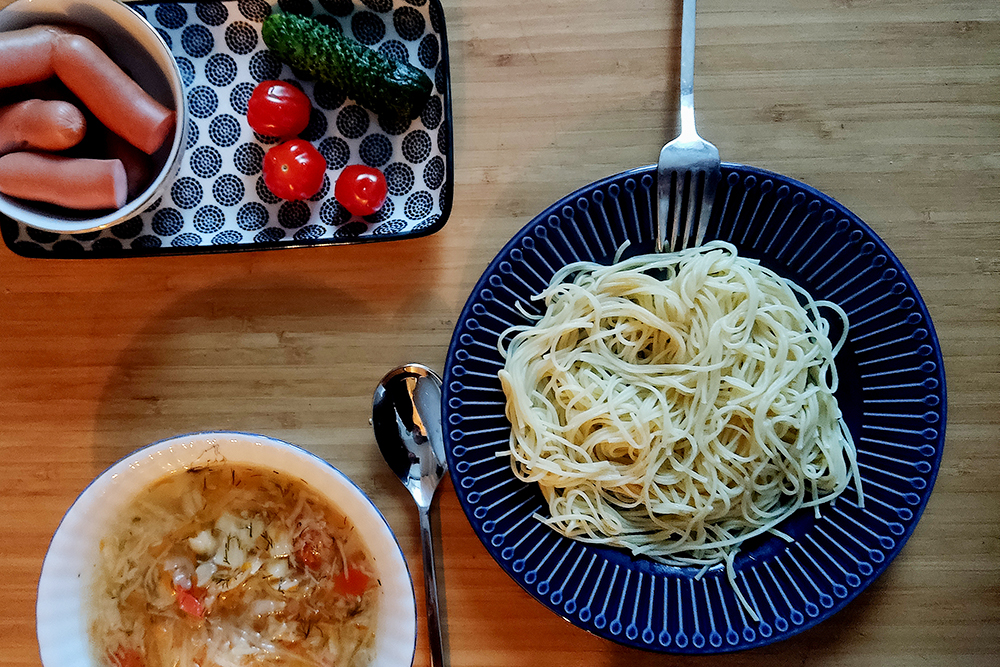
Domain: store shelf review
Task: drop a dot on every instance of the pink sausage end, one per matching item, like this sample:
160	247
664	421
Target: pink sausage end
119	180
160	132
77	183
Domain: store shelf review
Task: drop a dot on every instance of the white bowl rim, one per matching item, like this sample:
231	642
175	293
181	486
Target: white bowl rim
160	53
59	649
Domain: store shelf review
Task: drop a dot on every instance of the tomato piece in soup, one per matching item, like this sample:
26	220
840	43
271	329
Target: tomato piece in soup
314	549
351	582
189	602
126	657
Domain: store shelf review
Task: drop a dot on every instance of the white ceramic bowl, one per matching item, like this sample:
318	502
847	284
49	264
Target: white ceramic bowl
139	50
71	561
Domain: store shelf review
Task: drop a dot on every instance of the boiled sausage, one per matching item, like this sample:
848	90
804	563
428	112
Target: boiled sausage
26	55
34	54
112	96
78	183
138	167
47	125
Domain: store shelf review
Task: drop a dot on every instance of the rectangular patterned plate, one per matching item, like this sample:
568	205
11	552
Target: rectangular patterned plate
218	201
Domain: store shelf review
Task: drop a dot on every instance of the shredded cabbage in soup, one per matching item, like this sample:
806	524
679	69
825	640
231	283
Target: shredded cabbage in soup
233	566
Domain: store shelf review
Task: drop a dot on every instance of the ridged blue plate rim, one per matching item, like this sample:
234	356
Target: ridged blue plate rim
892	394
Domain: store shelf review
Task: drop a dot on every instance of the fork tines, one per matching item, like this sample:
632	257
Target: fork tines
687	207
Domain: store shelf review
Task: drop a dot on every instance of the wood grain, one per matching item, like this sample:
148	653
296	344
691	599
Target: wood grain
891	107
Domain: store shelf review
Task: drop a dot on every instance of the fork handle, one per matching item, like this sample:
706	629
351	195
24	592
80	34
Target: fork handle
687	68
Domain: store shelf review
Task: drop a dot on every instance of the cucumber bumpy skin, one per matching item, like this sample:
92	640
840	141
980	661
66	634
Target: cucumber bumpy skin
366	76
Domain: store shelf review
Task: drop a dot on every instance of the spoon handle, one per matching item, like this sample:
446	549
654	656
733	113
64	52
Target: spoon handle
431	590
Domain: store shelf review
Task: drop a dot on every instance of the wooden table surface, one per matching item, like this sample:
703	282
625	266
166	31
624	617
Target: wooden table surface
890	107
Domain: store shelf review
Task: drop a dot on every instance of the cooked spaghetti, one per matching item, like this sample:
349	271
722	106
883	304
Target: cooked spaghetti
676	404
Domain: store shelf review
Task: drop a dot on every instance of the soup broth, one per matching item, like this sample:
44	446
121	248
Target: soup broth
233	566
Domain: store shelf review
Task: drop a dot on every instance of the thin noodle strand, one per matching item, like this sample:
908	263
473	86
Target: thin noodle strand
677	405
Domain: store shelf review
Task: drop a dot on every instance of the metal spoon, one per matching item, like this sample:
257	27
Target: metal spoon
406	417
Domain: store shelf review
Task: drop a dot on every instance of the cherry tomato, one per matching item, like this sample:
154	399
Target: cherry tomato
360	189
294	169
278	109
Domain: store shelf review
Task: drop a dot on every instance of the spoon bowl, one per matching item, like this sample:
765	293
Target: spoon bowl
406	417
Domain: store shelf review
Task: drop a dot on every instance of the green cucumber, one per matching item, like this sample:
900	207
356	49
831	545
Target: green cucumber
365	75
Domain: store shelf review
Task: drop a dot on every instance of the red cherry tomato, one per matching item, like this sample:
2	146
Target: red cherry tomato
294	170
278	109
360	189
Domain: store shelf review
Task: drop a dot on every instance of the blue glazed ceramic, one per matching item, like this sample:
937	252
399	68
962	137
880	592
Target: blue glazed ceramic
892	394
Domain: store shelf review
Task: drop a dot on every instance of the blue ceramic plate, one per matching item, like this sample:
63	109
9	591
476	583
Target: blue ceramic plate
218	201
892	394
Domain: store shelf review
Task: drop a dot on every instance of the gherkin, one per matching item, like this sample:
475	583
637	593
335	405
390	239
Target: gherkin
385	86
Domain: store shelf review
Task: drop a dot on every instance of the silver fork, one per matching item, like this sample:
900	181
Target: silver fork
688	171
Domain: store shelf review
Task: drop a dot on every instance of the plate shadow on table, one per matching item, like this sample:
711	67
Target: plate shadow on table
266	350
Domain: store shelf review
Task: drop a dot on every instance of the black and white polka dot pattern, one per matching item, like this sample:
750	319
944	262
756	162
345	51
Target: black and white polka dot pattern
218	197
